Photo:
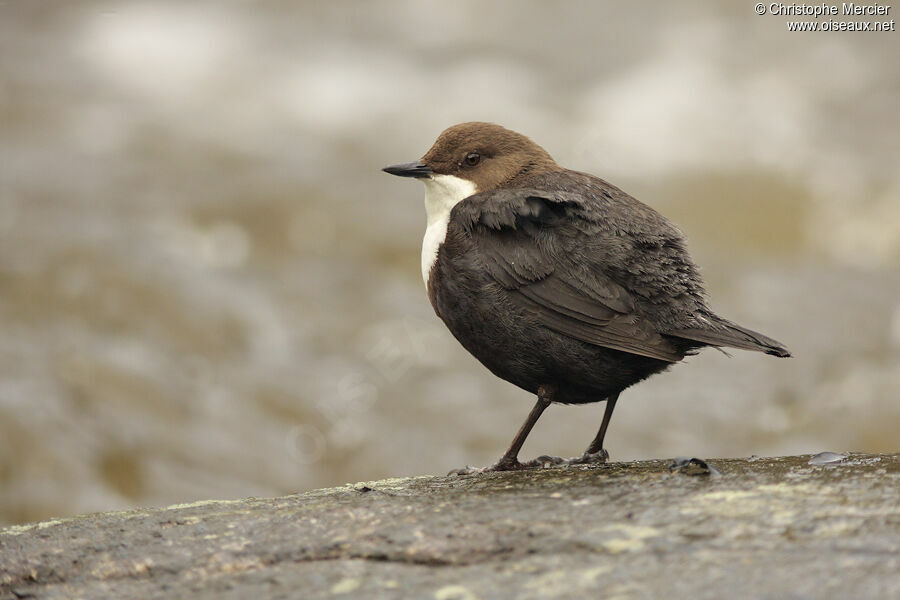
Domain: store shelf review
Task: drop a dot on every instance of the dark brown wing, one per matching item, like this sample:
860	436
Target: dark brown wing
533	245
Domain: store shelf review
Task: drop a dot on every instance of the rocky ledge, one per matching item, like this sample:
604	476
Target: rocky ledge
793	527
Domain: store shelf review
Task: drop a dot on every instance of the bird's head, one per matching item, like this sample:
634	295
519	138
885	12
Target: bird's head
477	157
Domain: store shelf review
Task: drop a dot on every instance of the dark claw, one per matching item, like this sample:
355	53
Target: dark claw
503	465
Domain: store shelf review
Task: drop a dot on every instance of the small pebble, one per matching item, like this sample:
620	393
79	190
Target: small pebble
694	466
827	458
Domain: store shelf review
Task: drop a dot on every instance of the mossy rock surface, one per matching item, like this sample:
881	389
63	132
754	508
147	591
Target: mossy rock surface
761	528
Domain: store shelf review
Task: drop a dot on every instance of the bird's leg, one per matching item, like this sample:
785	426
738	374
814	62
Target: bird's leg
595	452
510	460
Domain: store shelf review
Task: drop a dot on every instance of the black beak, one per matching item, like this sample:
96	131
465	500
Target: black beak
413	169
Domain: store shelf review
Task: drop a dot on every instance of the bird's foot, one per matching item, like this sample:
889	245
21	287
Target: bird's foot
593	458
504	464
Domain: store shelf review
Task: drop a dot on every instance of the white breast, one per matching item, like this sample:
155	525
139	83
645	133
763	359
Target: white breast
442	193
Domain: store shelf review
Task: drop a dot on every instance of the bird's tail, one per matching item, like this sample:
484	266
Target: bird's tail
732	335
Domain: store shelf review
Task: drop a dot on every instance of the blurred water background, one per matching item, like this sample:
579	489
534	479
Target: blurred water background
209	290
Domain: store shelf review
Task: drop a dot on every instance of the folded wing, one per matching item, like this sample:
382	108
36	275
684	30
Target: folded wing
529	243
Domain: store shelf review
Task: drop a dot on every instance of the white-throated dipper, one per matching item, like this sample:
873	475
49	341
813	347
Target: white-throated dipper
557	281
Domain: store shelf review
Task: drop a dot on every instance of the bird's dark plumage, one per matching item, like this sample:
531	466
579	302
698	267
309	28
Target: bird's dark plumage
560	282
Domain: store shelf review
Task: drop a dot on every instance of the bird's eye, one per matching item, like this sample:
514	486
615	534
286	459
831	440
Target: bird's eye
472	159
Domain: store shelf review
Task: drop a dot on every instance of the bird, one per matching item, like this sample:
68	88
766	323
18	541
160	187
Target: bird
556	280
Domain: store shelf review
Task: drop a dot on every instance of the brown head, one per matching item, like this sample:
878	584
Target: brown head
484	153
467	159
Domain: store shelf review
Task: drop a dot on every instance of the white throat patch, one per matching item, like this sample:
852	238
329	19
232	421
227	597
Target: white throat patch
442	193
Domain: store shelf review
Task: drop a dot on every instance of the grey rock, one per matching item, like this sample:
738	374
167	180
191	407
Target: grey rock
768	528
